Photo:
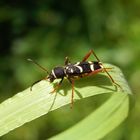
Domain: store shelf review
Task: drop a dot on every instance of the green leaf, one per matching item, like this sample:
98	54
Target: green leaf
29	105
100	122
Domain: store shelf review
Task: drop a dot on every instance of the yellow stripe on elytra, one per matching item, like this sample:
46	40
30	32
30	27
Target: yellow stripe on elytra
80	68
92	67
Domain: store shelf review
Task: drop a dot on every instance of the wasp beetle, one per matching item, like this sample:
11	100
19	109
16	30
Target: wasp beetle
76	70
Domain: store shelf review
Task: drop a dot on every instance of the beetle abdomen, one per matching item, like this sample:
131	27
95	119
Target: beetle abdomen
82	67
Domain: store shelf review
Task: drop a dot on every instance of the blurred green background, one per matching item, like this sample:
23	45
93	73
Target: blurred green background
49	30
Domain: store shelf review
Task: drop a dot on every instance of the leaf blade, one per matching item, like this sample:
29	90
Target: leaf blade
26	106
96	124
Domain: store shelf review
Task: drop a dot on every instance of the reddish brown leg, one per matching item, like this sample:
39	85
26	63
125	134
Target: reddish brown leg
88	55
104	69
72	95
101	70
57	86
110	77
94	72
112	80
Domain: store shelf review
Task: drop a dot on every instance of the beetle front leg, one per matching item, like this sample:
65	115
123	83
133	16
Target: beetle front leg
57	86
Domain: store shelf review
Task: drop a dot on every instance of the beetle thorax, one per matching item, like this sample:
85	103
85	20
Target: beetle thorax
56	73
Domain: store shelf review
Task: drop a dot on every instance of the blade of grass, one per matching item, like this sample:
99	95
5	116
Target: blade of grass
29	105
100	122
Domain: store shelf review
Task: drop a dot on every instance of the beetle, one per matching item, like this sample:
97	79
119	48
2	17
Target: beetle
76	70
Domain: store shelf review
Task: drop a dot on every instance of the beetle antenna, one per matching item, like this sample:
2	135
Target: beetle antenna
34	84
38	65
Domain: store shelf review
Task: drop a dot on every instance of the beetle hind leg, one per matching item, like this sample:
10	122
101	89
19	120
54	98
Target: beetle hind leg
88	55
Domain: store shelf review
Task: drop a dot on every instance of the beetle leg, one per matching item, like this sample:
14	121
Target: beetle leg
67	61
72	95
88	55
94	72
57	86
104	70
112	80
